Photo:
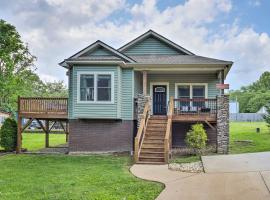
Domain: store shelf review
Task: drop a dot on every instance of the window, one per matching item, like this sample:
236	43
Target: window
104	88
184	92
196	91
95	87
87	87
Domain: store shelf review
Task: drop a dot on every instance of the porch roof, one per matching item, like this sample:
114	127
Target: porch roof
178	59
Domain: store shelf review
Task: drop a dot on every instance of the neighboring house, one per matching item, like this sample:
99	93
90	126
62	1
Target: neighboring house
109	89
234	106
3	117
262	110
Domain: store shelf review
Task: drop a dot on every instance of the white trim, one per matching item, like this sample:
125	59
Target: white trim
191	93
151	92
95	73
100	43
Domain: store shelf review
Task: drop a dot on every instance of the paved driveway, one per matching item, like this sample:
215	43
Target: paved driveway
237	163
219	183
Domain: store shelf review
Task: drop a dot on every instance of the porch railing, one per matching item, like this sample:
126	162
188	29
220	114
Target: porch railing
168	135
195	106
43	105
141	131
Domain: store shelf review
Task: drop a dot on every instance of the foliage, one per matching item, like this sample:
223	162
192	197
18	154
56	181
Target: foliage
185	159
267	115
17	71
251	98
8	134
196	137
94	177
246	131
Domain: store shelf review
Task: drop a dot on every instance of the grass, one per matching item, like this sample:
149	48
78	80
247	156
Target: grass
71	177
35	141
247	131
186	159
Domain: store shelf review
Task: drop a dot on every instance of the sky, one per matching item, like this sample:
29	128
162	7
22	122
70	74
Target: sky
234	30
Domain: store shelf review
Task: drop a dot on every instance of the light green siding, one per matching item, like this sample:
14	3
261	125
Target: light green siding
151	46
210	79
70	93
94	110
127	94
100	51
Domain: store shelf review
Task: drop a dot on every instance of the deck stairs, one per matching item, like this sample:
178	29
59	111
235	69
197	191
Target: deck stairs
152	149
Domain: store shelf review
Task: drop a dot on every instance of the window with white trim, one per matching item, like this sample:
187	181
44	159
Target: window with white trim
96	87
103	87
194	92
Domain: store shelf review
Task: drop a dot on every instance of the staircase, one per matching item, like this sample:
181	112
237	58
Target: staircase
152	149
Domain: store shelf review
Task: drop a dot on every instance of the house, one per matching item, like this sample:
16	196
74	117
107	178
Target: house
234	106
143	98
262	110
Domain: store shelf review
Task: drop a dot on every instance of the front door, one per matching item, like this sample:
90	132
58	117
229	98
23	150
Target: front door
159	99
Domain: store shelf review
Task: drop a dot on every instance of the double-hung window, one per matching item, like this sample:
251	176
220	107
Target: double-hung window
95	87
197	92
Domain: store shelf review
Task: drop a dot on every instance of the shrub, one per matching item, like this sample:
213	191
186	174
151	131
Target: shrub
196	138
8	134
267	115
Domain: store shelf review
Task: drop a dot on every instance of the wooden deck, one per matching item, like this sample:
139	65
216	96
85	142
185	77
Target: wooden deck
46	111
194	118
43	108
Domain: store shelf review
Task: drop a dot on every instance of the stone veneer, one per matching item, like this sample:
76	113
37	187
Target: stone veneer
142	99
223	124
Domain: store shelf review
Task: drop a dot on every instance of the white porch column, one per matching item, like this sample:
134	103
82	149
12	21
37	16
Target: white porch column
145	83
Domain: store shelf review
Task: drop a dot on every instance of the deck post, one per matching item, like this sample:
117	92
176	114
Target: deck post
47	129
19	130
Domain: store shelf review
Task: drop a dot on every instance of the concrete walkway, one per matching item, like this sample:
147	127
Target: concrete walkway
205	186
247	162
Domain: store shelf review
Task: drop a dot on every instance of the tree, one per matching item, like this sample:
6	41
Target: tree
267	115
252	97
16	67
8	134
196	138
17	71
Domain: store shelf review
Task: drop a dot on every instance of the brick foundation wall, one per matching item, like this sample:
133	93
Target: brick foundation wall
100	135
223	124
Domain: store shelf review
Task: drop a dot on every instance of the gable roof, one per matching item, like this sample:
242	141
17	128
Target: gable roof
153	34
115	53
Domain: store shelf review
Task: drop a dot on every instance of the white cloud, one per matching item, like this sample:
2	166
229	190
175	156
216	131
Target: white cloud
255	3
59	30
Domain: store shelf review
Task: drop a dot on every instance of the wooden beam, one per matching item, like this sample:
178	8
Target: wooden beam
19	135
144	83
19	129
52	126
27	124
210	125
47	133
41	125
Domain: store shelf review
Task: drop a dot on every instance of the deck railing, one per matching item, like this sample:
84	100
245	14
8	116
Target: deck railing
195	106
43	105
141	131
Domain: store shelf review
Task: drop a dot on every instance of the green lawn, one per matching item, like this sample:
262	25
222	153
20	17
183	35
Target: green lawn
35	141
247	131
24	177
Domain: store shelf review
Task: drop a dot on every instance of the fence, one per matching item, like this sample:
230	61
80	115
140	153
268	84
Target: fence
246	117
